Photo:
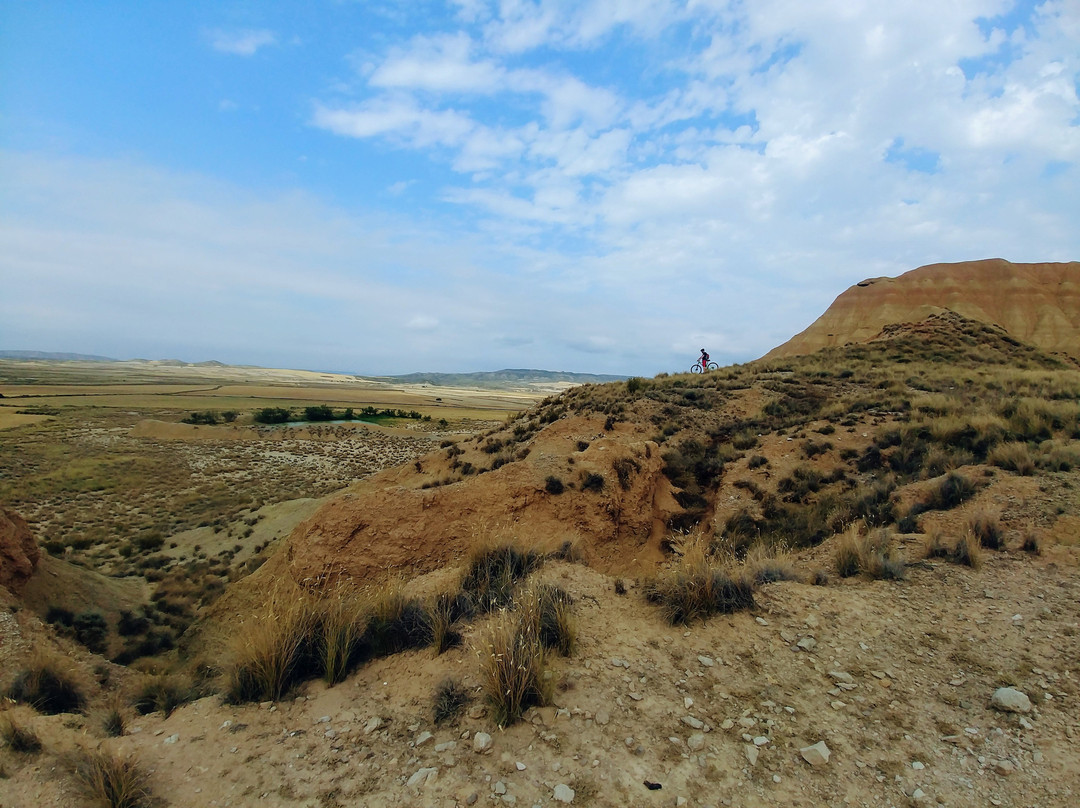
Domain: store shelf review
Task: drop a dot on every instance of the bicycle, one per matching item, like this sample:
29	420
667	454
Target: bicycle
696	367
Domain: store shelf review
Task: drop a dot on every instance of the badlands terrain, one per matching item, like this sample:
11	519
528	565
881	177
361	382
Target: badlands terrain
889	526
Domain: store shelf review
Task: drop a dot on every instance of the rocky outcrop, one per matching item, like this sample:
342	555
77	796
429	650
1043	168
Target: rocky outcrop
19	553
1035	303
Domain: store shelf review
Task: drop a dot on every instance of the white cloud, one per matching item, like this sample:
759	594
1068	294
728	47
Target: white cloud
241	43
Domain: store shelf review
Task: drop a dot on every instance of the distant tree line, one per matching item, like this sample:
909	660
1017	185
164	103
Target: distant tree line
210	417
322	412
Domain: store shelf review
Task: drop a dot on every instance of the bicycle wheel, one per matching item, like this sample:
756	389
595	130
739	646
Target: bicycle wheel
695	368
713	366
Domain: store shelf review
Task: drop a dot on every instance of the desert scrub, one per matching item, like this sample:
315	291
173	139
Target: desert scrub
546	609
967	551
49	686
493	572
697	587
449	700
112	780
396	622
986	526
271	651
872	554
341	621
1013	457
766	565
162	693
18	737
512	668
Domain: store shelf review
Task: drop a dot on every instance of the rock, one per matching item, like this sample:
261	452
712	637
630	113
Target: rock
806	644
520	766
477	711
19	553
918	765
688	703
1010	700
448	746
602	718
481	743
423	738
1004	768
706	661
472	798
816	755
422	777
693	723
761	740
752	753
499	787
372	725
563	793
696	742
842	677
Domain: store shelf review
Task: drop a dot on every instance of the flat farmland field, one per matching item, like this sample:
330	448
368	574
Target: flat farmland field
98	459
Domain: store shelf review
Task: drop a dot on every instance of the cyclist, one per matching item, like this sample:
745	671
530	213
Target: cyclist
704	360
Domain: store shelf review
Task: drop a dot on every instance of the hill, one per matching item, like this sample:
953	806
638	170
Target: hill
1035	303
846	553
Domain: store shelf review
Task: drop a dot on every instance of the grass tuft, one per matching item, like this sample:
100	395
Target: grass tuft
986	526
872	554
48	686
162	693
546	609
19	738
117	782
697	587
512	667
967	551
493	572
451	697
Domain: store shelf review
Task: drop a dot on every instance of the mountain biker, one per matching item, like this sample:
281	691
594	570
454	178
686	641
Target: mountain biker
704	360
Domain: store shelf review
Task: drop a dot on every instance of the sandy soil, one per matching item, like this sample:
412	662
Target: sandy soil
897	682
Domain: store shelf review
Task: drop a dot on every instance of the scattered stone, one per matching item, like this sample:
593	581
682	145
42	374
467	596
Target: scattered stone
752	753
422	777
620	663
696	742
423	738
918	765
761	740
708	662
806	644
747	721
816	755
472	798
693	723
325	719
563	793
481	743
1010	700
688	703
500	787
372	725
1004	768
477	711
761	621
918	795
728	724
602	718
520	766
448	746
842	677
172	739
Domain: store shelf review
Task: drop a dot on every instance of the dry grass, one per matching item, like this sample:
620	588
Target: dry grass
512	668
18	737
267	651
1013	457
341	621
49	685
546	610
698	586
450	699
766	565
967	551
162	692
985	524
112	780
873	554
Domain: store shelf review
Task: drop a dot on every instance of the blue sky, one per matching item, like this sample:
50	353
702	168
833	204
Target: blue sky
471	185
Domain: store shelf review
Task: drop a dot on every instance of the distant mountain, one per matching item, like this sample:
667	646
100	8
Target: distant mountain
1036	303
54	356
498	377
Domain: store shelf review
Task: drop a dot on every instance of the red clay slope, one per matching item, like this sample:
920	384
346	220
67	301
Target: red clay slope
1036	303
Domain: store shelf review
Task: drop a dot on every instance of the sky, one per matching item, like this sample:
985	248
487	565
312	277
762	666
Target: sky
594	186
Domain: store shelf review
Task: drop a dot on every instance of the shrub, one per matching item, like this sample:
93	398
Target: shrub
396	623
492	573
987	529
113	723
443	612
162	693
967	551
696	588
269	652
769	565
341	622
48	687
59	615
1013	457
757	461
625	469
512	669
18	737
934	546
872	554
553	485
593	482
91	630
1030	542
819	577
953	490
546	609
814	448
450	699
620	586
744	440
117	782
